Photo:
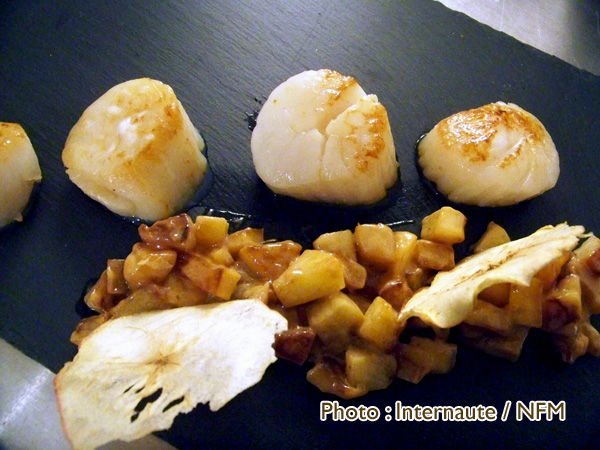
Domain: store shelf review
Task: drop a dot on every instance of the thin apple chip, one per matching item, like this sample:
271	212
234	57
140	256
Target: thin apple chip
450	298
134	374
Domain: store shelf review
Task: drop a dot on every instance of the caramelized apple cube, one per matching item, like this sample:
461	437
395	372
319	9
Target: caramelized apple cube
563	304
433	255
381	325
396	293
115	280
572	347
525	304
176	232
314	274
497	294
355	275
210	230
593	339
216	280
294	344
178	290
145	264
413	363
146	298
256	290
418	277
330	379
375	244
240	239
268	261
443	353
220	255
584	265
404	249
86	326
403	255
338	242
98	298
334	318
494	235
446	226
549	273
485	315
369	369
507	347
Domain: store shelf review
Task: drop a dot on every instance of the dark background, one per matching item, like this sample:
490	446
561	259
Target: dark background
423	61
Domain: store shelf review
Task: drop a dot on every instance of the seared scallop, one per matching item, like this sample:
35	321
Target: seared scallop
320	137
136	151
19	171
495	155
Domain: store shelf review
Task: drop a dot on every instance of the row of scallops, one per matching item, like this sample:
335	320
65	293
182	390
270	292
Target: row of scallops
318	137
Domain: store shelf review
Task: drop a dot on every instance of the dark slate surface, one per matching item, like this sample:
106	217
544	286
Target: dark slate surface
424	62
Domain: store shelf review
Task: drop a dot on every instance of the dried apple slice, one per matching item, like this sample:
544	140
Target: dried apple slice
134	374
450	298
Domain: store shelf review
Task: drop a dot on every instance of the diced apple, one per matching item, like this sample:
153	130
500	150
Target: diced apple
413	363
563	304
86	326
525	304
369	369
355	275
257	290
550	272
338	242
115	280
593	338
485	315
330	379
176	232
268	261
220	255
180	291
446	226
494	235
314	274
334	318
443	353
210	230
585	266
294	344
248	236
497	294
146	298
98	298
396	293
404	250
381	325
417	277
375	245
145	264
216	280
572	347
433	255
507	347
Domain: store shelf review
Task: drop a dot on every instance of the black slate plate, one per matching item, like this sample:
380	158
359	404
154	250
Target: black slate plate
424	61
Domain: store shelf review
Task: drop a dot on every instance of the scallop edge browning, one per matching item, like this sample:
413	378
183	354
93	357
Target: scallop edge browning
495	155
320	137
136	151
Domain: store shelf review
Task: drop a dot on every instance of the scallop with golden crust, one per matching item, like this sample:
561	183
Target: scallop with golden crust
19	171
136	151
320	137
495	155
